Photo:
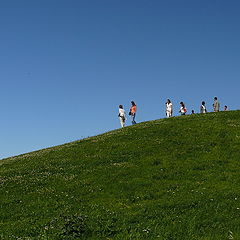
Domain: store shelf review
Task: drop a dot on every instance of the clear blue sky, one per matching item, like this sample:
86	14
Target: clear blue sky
66	65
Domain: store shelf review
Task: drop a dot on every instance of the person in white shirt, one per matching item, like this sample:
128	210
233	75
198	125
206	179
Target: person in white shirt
203	108
183	108
169	108
122	116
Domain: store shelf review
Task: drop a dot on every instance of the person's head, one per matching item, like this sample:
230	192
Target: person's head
193	112
182	104
203	103
133	103
225	107
215	98
168	101
121	106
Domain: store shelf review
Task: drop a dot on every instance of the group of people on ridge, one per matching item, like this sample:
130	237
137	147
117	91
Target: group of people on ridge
183	109
169	110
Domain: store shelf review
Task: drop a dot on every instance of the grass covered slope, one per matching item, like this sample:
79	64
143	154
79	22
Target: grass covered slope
173	178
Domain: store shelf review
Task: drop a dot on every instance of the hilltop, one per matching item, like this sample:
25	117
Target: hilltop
174	178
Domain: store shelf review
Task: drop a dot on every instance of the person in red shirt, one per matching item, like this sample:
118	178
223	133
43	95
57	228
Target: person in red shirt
132	112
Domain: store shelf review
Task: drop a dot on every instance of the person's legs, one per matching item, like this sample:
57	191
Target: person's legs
122	122
133	118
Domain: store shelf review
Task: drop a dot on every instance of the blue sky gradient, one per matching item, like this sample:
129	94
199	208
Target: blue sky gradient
67	65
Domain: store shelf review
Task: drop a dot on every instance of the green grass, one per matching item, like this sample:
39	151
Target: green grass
167	179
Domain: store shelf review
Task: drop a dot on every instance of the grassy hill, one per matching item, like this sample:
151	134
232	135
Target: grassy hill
167	179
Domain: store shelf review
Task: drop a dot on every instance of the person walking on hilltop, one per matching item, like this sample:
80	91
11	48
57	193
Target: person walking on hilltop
169	108
183	109
203	108
122	116
216	105
133	111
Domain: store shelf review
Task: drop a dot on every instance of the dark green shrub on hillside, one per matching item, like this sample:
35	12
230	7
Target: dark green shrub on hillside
74	227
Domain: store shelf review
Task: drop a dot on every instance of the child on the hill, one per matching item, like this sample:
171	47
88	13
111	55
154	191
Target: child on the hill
183	109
